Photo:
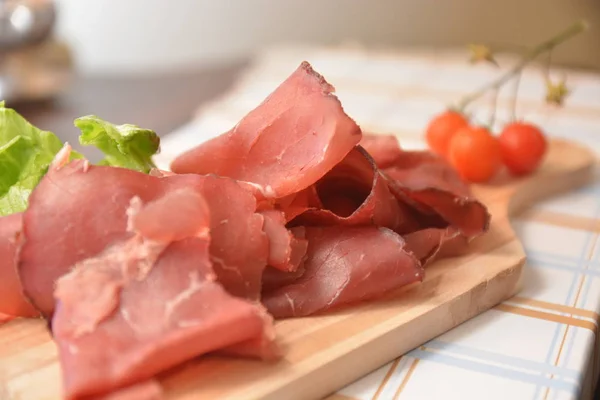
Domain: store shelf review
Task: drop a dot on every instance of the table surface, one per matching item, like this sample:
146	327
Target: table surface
162	103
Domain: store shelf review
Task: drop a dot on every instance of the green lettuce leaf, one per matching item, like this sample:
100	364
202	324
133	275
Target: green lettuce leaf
127	146
25	154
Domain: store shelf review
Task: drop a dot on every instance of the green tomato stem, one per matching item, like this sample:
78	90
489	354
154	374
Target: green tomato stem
571	31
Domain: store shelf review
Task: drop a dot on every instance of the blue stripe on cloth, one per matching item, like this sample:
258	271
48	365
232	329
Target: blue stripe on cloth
511	374
580	266
565	359
517	362
586	290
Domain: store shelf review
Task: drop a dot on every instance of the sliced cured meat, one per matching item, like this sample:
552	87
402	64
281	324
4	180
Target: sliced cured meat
12	300
422	169
239	247
100	279
299	246
78	210
354	193
285	144
274	278
188	216
384	148
432	243
74	213
263	346
177	312
164	308
429	184
285	249
345	265
295	204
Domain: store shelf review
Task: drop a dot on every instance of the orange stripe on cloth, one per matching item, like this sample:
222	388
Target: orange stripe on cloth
571	321
387	377
409	373
556	307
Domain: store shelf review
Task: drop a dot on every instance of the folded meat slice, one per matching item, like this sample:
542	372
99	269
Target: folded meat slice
275	278
286	144
263	346
146	304
78	210
345	265
12	300
430	185
354	193
295	204
239	247
75	212
384	148
286	250
432	243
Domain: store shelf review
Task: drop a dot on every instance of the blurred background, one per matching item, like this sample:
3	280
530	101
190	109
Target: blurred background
120	59
138	36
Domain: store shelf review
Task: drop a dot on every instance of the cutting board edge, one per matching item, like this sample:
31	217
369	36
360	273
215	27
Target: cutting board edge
512	274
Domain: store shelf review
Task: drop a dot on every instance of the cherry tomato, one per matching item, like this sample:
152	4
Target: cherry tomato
522	146
475	153
441	129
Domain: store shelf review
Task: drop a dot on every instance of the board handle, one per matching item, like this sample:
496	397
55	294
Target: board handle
566	166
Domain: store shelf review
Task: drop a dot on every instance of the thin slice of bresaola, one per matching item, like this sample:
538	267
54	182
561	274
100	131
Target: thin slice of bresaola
145	305
178	312
275	278
77	210
345	265
295	204
384	148
239	247
13	302
354	193
287	143
430	244
430	185
286	250
74	213
263	346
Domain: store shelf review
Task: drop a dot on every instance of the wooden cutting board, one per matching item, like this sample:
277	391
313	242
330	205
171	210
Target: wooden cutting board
324	353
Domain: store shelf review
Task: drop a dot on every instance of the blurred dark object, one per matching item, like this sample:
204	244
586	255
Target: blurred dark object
33	66
159	102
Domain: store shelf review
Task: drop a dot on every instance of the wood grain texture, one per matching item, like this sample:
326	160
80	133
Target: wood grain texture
324	353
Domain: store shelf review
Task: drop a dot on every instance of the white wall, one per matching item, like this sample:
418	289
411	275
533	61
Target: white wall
115	36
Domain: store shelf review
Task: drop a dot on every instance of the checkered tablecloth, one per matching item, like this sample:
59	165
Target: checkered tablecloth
541	344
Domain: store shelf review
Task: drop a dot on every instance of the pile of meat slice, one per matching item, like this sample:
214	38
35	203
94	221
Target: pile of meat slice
292	212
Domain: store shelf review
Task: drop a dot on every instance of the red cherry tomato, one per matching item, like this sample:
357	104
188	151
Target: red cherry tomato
442	128
475	153
522	146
